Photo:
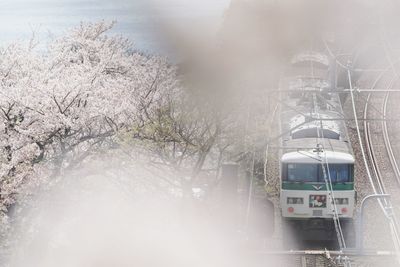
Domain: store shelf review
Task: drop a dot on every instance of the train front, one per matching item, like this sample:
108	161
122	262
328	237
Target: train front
317	184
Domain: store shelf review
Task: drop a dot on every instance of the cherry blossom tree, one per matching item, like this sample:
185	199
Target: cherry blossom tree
91	93
59	107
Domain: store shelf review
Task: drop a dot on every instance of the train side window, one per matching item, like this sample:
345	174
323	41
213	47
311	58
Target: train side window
351	172
284	172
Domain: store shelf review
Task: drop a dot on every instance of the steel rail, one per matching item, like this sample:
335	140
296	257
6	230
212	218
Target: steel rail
386	137
393	222
388	143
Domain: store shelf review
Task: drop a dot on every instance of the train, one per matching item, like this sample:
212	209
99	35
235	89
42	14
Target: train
316	160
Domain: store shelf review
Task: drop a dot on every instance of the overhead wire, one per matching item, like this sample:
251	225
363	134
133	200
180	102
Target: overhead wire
327	174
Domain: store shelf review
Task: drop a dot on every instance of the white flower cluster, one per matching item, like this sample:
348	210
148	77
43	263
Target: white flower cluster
58	107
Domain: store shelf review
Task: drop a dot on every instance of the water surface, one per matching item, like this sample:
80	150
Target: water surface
140	20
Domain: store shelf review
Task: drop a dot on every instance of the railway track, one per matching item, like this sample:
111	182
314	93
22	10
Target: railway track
377	142
387	140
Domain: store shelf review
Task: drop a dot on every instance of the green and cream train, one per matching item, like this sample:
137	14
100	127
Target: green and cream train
317	162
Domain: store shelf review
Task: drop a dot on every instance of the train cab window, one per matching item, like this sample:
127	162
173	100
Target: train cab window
298	172
338	173
305	172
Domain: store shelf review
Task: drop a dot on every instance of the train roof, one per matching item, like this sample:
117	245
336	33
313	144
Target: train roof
304	129
311	56
307	82
312	118
313	156
311	143
301	123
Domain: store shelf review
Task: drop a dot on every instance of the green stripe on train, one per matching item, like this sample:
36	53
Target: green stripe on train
316	186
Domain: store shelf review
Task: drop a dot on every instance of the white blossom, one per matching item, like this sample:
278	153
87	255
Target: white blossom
58	107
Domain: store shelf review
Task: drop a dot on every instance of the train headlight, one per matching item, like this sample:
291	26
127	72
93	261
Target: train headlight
341	201
295	200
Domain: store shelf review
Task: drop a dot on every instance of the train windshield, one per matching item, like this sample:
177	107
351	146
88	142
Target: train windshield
297	172
337	173
303	172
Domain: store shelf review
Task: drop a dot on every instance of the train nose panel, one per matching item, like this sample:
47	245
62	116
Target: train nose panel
317	201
